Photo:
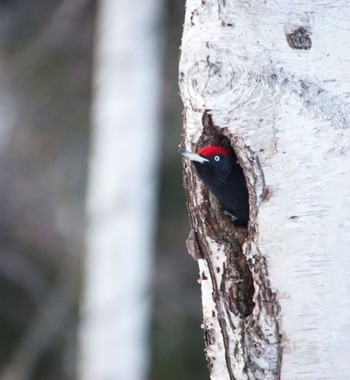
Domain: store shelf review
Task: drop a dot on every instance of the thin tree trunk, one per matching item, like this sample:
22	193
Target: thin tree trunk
272	80
121	192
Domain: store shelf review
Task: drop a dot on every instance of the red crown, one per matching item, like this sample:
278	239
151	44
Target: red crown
210	151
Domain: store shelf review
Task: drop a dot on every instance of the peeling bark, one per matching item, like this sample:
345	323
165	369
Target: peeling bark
259	77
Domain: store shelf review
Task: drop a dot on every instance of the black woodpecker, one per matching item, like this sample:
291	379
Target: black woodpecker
221	173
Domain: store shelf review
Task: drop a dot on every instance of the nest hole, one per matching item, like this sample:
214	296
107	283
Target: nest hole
214	135
242	293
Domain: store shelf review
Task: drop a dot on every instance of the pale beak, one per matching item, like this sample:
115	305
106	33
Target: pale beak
193	156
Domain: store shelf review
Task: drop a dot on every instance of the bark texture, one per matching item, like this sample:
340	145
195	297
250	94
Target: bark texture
271	79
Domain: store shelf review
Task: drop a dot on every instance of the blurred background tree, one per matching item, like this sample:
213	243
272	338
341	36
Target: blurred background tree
45	74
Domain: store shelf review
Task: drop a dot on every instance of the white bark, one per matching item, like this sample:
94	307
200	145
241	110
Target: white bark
274	77
121	192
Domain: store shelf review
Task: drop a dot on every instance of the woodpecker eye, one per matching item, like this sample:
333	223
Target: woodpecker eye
217	158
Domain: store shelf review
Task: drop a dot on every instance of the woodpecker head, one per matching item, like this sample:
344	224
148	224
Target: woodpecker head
220	171
213	163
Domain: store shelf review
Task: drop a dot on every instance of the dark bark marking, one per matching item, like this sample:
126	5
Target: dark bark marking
300	38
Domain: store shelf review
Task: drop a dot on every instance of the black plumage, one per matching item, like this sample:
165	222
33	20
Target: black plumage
221	173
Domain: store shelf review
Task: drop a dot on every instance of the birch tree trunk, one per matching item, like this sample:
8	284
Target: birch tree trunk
272	79
121	192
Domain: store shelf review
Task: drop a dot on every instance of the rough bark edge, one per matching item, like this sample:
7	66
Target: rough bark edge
240	321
